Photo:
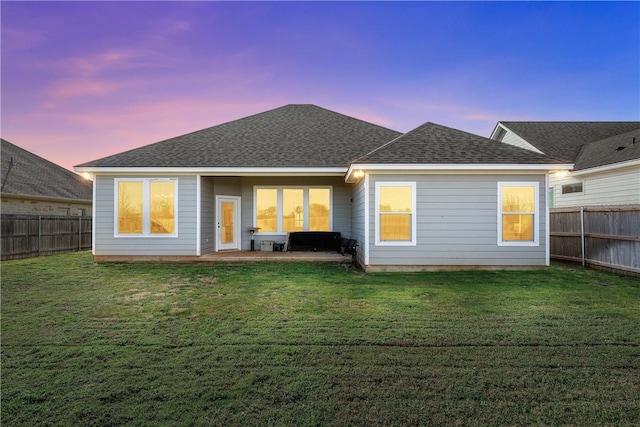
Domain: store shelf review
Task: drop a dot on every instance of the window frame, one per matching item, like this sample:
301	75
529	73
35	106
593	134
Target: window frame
536	213
146	208
280	206
571	188
378	186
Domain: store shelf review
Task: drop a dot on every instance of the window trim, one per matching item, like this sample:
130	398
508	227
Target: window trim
536	213
571	186
413	241
279	206
146	208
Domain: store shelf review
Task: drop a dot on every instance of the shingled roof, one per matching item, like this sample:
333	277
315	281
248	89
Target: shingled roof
293	136
435	144
616	149
26	174
565	140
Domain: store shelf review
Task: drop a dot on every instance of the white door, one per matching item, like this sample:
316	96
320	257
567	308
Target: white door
228	222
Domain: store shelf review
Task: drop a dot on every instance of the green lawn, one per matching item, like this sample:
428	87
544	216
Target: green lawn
303	344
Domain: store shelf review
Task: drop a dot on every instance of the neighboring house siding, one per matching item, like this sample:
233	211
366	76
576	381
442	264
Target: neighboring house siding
358	218
207	216
457	223
183	244
513	139
341	209
29	206
614	187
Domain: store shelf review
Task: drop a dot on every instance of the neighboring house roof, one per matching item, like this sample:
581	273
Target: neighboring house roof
293	136
565	140
26	174
616	149
436	144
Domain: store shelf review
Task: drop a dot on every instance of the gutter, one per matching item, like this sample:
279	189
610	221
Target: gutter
605	168
453	168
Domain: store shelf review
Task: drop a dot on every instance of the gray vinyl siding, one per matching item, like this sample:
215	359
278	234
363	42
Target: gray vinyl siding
107	244
358	217
207	215
341	209
457	223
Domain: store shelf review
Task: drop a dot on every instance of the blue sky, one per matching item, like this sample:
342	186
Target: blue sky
82	80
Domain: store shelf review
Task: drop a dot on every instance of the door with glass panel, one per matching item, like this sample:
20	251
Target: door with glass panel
228	222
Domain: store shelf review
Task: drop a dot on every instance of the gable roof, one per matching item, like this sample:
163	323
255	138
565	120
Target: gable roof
616	149
436	144
293	136
565	140
26	174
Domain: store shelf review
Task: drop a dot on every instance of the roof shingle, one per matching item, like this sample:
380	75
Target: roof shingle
436	144
616	149
293	136
24	173
566	139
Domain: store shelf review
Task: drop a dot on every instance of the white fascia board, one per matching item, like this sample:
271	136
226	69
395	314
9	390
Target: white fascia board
468	168
215	171
605	168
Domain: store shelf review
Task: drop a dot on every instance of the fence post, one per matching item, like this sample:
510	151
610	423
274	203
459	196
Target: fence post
39	233
79	233
582	235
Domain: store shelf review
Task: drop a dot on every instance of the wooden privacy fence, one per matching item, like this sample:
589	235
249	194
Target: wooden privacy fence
597	236
25	236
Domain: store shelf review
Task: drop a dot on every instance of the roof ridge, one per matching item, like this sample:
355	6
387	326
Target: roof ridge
49	162
570	121
187	134
393	140
351	117
436	143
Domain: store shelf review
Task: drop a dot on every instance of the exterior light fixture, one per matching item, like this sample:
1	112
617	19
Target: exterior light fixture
253	230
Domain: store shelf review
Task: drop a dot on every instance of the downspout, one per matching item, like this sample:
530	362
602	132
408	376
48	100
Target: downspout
367	212
582	235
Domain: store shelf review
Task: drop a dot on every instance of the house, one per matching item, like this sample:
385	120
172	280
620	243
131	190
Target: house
606	157
32	185
432	197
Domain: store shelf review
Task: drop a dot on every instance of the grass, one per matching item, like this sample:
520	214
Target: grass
305	344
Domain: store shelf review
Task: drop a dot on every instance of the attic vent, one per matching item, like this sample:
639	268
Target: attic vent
634	140
620	148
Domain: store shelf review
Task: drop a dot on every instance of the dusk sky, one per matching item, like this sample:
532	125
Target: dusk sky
83	80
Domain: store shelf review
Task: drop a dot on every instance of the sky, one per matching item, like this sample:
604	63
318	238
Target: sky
83	80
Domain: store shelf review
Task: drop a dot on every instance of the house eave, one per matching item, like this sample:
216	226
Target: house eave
46	198
238	171
452	167
606	168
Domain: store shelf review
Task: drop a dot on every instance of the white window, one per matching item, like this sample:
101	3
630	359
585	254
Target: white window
146	207
395	213
286	209
576	187
518	217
